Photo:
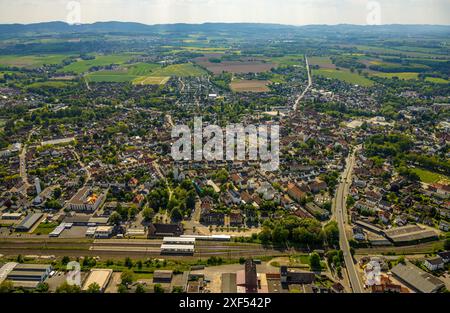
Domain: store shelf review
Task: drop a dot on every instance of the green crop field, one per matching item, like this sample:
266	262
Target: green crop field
31	61
109	77
406	75
288	60
84	65
50	84
141	69
180	70
321	61
347	76
437	80
151	80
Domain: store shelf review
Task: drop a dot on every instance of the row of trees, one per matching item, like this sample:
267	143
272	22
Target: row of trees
305	232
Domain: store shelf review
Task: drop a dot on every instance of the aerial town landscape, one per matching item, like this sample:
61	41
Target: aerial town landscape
360	201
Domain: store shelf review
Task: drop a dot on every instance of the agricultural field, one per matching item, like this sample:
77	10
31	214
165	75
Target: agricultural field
429	177
180	70
250	85
151	80
140	69
50	84
240	66
31	61
288	60
391	51
344	75
82	66
437	80
322	62
405	76
145	74
110	77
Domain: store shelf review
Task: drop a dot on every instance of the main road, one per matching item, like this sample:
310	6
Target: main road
340	214
300	97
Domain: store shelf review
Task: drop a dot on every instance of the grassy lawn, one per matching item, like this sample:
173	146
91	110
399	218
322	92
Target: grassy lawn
430	177
344	75
45	228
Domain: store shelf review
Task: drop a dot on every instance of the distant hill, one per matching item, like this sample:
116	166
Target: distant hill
11	30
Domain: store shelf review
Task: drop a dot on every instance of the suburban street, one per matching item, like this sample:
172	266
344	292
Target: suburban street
340	214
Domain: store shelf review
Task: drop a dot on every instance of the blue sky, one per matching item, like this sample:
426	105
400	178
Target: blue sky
293	12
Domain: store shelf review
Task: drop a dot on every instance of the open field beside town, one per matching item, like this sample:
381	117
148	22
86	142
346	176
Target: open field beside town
240	66
50	84
322	62
344	75
250	85
405	76
31	61
179	70
151	80
82	66
437	80
145	74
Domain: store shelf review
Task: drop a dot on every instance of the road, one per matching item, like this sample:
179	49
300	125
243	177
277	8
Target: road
340	214
302	95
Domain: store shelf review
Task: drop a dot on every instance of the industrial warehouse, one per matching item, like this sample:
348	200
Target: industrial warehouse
26	276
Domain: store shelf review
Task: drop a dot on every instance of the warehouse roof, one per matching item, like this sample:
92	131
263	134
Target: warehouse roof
409	233
162	274
416	278
29	221
32	267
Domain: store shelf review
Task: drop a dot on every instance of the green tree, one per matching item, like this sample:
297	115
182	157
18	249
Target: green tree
66	288
447	244
122	289
42	287
314	261
140	288
177	289
176	214
157	288
93	288
126	277
128	262
6	286
65	260
147	214
115	218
